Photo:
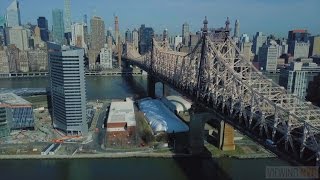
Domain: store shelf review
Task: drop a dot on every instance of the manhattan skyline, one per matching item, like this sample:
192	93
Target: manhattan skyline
271	17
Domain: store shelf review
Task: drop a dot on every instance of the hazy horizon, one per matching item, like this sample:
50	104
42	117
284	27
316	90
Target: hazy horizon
270	17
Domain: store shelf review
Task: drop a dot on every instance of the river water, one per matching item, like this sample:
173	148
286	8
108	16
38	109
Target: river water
126	168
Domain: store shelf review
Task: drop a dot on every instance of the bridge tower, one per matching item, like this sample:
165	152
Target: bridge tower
151	82
199	116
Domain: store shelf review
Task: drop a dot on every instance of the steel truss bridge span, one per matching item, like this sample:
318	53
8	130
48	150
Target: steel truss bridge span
216	74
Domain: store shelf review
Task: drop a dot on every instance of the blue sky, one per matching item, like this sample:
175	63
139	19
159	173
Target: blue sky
268	16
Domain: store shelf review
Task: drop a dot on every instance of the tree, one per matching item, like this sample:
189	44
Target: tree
313	91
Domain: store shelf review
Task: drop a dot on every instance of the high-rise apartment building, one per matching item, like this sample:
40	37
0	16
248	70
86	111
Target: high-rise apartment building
314	46
67	16
135	38
13	14
38	60
297	76
177	42
299	49
258	40
78	35
23	62
44	30
19	37
109	41
128	36
298	41
37	37
145	43
4	61
268	56
193	40
106	57
97	33
86	34
58	26
97	40
13	58
245	48
68	90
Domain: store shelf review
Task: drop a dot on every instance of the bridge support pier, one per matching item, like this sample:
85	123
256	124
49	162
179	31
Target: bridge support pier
196	132
226	137
151	86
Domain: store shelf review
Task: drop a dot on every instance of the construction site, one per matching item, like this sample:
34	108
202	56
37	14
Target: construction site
26	141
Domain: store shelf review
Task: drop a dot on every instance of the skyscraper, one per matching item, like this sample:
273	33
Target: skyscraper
298	43
116	29
44	31
78	35
145	43
268	56
67	16
13	14
165	35
97	33
258	40
36	37
85	19
237	29
97	38
58	26
68	90
135	38
2	20
85	29
177	41
185	34
314	46
128	36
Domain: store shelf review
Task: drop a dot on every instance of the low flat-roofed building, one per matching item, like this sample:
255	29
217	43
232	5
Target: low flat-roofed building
4	125
121	123
20	111
160	117
177	104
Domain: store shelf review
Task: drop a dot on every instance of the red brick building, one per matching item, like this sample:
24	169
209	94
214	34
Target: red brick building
121	124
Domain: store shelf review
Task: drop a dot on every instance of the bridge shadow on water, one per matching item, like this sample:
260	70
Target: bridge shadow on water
197	167
132	85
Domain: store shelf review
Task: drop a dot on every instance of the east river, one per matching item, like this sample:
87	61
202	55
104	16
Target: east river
118	87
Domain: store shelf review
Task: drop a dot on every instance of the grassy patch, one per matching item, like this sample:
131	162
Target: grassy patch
216	152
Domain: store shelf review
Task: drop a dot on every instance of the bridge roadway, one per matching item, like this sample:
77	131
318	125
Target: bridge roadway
218	78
